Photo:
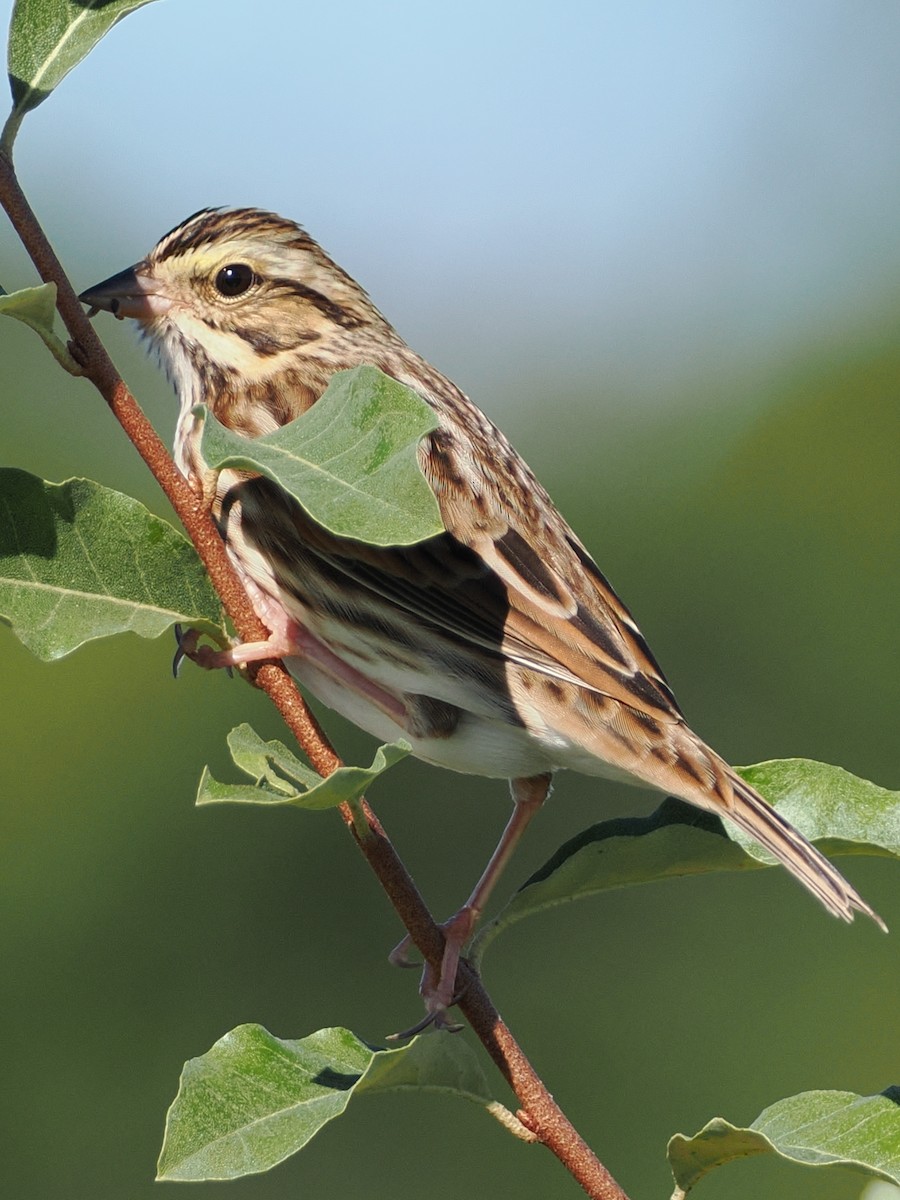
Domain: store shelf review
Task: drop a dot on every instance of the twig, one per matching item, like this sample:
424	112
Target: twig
539	1112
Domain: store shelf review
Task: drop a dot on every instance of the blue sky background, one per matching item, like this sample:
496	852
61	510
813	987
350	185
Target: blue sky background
637	189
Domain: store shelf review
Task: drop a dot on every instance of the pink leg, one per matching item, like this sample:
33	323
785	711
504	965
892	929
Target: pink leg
275	646
437	989
288	640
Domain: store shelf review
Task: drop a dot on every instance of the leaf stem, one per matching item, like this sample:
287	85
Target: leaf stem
8	133
539	1114
362	831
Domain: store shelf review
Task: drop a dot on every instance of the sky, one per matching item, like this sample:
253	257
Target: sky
633	190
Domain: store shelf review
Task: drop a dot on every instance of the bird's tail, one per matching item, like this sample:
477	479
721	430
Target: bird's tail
755	816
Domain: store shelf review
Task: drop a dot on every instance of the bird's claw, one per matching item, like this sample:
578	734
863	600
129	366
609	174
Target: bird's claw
181	650
203	656
405	1034
437	987
399	956
437	1017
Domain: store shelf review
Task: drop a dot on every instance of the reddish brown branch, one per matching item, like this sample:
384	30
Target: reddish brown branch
540	1113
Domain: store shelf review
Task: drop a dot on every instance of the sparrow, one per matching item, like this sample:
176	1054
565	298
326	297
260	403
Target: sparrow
496	648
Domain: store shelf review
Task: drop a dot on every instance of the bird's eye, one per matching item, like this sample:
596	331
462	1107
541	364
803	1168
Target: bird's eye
234	279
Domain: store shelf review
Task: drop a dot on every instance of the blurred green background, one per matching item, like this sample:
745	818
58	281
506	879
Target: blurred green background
659	245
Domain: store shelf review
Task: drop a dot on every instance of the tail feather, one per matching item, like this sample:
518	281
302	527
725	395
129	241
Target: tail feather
756	817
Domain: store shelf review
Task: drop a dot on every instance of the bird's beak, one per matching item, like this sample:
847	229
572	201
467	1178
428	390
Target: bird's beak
131	293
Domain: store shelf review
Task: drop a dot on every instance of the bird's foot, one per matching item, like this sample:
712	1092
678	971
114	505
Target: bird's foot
438	987
277	645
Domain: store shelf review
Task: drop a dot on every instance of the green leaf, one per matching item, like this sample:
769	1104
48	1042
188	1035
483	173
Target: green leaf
843	814
47	38
36	308
79	561
819	1129
350	460
279	777
254	1099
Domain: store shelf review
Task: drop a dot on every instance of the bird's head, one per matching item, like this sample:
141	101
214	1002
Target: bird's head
241	290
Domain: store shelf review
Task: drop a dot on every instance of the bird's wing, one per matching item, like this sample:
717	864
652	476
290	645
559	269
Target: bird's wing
508	577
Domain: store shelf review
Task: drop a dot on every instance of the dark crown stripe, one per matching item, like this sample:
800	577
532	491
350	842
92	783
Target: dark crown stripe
209	224
200	227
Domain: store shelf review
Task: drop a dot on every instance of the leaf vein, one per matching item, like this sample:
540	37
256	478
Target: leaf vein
78	593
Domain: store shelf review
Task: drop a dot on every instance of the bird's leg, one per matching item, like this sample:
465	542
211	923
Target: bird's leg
278	645
287	639
437	987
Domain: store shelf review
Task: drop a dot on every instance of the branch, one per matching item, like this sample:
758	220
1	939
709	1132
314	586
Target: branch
539	1112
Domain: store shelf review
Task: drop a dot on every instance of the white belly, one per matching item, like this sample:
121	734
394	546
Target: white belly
477	746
